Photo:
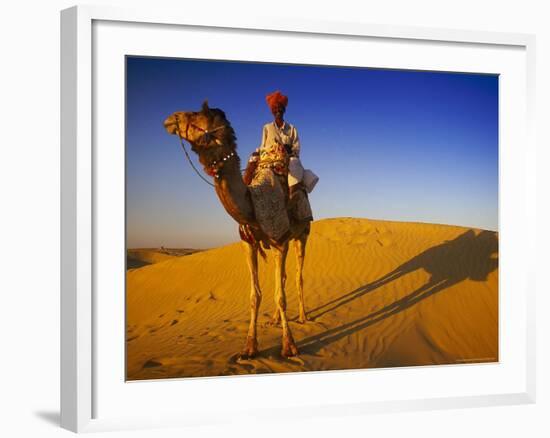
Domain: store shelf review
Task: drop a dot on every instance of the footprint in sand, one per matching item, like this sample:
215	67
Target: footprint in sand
384	237
246	366
152	364
230	370
235	359
384	241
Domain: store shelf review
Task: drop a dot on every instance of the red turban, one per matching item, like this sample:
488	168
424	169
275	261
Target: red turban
275	99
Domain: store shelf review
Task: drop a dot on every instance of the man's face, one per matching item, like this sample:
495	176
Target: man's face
278	111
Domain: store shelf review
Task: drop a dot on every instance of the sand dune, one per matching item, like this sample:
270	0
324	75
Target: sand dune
139	257
381	294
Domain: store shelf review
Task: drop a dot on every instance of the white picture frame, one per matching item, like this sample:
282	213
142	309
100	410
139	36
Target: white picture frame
82	373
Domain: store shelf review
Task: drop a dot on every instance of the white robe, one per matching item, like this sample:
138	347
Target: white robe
286	134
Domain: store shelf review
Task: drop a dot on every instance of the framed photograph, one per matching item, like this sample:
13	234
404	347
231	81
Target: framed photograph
335	218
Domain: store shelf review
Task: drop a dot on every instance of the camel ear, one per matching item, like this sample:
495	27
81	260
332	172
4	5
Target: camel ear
205	107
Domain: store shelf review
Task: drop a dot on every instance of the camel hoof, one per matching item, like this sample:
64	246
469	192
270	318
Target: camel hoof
289	349
250	350
303	319
274	322
247	355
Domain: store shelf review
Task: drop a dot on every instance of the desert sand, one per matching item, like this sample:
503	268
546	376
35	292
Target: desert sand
379	293
138	257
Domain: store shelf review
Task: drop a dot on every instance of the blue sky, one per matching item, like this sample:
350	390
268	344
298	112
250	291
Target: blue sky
386	144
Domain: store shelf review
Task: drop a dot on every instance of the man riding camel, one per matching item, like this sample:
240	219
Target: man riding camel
280	151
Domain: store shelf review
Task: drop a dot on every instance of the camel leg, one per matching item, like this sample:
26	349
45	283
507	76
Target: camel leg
276	318
289	347
300	247
251	346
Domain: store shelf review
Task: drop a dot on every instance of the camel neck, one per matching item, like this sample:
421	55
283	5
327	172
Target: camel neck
233	193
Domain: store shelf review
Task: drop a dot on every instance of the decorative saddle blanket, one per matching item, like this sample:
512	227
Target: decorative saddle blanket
270	194
269	197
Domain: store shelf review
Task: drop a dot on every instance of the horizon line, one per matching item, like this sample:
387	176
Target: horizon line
128	248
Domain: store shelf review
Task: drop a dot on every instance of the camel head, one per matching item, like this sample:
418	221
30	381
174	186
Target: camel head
208	132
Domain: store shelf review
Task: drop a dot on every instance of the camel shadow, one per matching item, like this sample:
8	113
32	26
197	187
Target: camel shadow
469	256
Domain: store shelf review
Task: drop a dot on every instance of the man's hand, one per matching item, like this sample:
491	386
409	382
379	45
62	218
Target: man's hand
254	156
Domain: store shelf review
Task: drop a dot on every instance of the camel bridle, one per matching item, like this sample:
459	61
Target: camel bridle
214	168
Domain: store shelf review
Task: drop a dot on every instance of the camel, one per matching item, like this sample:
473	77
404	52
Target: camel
213	139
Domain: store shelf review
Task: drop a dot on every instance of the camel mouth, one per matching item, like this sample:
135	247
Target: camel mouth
170	125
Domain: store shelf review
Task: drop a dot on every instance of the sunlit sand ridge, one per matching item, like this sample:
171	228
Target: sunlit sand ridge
136	258
379	293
